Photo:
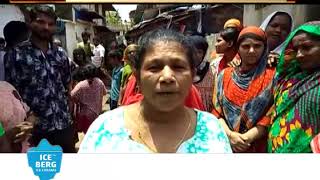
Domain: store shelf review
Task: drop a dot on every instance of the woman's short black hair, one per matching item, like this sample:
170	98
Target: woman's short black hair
230	34
89	71
199	42
149	39
115	53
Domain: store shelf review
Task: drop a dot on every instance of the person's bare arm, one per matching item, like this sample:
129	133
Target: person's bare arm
238	141
255	133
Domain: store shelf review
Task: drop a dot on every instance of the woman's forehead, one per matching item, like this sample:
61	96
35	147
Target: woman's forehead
249	40
301	36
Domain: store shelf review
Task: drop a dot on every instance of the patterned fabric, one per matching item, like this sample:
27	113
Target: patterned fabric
42	79
108	135
115	83
243	107
12	110
205	87
1	130
88	98
243	99
296	116
315	144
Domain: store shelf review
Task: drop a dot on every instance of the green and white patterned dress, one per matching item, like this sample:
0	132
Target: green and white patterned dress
108	134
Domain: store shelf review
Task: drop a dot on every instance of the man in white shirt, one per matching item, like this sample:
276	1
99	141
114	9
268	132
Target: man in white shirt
98	52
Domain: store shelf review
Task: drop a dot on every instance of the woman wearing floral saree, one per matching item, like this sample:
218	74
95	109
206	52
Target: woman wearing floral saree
296	117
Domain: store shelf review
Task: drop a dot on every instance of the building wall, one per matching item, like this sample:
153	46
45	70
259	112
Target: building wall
255	14
73	34
9	13
70	38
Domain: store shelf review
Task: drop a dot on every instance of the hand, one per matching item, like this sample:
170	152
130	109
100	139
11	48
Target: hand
104	70
273	59
238	142
25	129
235	62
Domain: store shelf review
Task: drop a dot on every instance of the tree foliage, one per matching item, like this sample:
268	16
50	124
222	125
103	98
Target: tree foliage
113	18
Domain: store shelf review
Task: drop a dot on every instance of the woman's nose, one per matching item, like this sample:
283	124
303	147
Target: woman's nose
299	55
251	49
167	75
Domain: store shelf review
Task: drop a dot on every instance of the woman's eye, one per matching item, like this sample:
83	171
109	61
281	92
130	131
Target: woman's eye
153	68
179	67
257	46
306	47
245	46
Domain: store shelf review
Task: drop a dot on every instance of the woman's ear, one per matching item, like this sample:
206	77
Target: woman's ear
230	44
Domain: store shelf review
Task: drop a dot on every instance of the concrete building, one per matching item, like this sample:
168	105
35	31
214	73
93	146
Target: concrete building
9	13
255	14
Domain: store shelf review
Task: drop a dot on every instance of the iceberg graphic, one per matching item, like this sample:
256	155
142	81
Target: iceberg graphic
45	160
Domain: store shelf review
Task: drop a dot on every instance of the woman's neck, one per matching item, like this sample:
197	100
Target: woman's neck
153	116
246	68
230	55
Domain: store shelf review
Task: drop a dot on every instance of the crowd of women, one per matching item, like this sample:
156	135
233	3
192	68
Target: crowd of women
260	92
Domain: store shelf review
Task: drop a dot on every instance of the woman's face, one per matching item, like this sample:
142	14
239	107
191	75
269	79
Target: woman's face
250	51
199	55
221	45
277	30
131	57
79	58
165	75
308	51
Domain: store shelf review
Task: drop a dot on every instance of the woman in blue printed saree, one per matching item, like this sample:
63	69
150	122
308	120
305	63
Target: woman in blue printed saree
243	94
296	117
160	123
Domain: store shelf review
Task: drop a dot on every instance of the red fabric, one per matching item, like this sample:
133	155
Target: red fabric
193	100
253	30
130	95
315	144
222	65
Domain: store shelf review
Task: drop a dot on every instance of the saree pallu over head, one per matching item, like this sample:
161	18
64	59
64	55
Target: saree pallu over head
266	22
296	116
243	99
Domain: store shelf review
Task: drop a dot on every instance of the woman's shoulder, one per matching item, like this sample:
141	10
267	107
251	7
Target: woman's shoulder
103	130
107	122
208	120
210	130
111	116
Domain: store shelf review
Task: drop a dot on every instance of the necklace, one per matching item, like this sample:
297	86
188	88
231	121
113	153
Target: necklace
176	146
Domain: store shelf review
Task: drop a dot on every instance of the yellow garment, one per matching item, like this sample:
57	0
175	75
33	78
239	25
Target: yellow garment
88	48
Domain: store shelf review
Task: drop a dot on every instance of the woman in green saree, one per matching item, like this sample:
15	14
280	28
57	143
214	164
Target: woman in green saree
296	116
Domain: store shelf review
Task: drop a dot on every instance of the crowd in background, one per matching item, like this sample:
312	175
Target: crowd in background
258	92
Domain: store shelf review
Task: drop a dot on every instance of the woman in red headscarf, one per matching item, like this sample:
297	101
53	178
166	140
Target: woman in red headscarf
243	94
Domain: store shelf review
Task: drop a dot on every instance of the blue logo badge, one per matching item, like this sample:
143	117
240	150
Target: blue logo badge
45	160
